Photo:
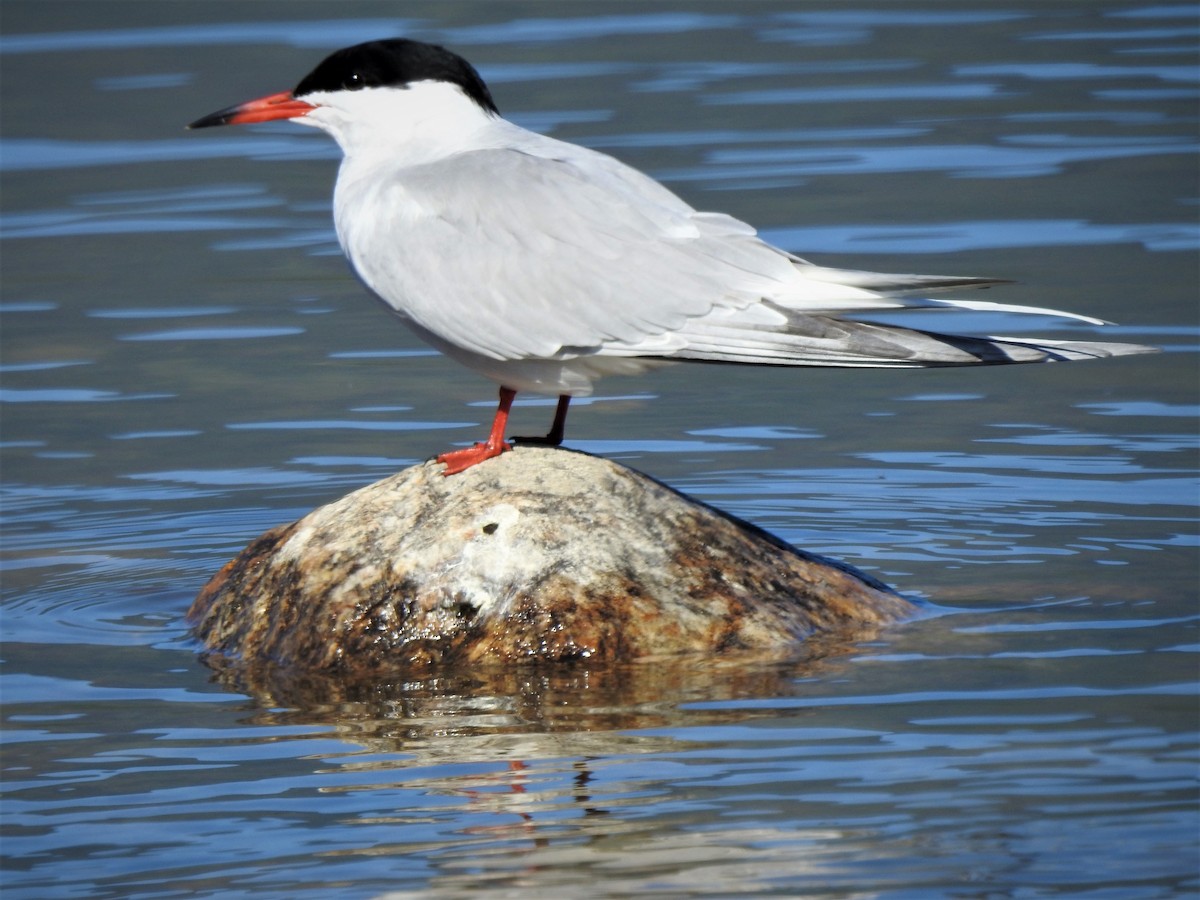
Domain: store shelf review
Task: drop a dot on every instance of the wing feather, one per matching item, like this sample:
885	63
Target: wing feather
514	255
540	250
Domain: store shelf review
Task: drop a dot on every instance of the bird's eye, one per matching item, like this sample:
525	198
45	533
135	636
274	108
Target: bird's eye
355	81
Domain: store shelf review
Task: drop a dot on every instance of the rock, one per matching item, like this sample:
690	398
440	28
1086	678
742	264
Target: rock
537	555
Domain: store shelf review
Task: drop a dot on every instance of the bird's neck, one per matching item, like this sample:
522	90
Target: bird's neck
427	122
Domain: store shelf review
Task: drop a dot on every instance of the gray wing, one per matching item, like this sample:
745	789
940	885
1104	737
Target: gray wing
554	251
513	255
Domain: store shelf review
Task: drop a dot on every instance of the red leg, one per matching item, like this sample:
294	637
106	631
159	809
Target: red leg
459	460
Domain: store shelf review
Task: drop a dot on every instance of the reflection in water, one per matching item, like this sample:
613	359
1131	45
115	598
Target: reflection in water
537	769
546	707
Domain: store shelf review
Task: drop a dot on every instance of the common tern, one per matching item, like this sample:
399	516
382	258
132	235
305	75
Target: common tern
544	265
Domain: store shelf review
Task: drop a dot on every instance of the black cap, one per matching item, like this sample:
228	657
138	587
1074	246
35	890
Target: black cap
395	62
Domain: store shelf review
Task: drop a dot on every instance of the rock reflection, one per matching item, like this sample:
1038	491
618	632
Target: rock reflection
557	709
521	777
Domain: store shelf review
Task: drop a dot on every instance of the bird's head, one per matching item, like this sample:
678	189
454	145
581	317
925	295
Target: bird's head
371	88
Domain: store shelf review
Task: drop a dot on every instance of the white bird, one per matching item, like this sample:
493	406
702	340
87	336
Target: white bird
544	265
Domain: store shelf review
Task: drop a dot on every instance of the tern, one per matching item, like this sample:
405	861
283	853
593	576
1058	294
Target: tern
544	265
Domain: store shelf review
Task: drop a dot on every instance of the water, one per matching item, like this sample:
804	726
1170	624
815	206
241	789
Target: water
186	363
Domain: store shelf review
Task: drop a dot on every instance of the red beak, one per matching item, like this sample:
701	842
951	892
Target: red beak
276	106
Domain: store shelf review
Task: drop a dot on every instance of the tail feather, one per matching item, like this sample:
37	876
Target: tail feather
793	332
987	306
826	341
894	291
891	284
820	326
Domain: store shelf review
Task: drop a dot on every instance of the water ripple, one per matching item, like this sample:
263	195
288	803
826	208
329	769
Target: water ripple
995	744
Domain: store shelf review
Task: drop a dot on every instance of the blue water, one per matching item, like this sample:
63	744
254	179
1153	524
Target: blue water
185	362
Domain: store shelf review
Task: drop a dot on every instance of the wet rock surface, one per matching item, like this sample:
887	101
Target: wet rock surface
537	555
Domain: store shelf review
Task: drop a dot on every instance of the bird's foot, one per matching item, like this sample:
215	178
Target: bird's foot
545	440
460	460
